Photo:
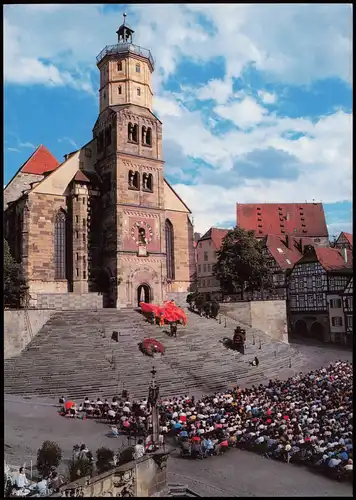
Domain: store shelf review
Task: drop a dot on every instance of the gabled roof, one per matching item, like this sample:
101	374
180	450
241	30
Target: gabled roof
40	161
347	236
216	235
296	219
331	259
81	177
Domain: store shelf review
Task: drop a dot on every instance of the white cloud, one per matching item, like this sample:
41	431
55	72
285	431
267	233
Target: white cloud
267	97
245	113
27	145
69	140
217	90
14	150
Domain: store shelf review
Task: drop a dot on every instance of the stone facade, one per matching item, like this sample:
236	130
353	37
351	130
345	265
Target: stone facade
270	316
115	206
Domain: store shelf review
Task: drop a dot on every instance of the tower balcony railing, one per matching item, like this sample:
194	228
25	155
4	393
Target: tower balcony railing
120	48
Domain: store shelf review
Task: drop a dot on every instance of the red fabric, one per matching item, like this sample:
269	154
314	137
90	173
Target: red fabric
286	417
268	421
196	438
224	443
183	418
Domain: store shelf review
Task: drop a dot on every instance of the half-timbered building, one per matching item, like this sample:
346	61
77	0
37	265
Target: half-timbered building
347	302
344	240
315	285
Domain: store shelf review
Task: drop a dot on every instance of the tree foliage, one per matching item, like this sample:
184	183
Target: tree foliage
241	265
15	286
48	456
104	459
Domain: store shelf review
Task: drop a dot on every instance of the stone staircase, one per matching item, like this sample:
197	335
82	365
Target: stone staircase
73	356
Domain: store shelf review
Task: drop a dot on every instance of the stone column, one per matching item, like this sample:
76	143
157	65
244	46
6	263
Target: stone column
80	237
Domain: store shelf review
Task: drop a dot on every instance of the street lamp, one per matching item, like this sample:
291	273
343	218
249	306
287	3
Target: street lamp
153	394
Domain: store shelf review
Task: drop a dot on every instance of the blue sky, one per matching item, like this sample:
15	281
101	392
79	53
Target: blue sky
255	99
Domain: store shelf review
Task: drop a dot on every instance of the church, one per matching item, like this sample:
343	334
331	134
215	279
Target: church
104	228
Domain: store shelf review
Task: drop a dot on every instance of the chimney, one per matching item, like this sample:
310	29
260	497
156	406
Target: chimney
344	251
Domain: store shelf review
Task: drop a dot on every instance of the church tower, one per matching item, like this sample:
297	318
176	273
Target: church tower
129	162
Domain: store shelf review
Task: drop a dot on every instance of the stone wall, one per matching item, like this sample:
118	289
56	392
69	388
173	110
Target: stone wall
19	329
69	301
180	298
270	316
145	477
19	183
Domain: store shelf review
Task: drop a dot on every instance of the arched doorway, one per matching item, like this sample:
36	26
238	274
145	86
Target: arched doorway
317	331
300	328
144	293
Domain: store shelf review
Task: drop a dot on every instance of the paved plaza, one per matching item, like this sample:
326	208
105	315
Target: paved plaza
30	421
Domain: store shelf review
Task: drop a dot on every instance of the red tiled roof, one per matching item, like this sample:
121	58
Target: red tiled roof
80	177
40	161
333	259
296	219
216	235
347	236
285	256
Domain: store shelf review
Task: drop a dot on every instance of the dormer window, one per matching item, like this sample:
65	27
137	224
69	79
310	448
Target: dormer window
138	69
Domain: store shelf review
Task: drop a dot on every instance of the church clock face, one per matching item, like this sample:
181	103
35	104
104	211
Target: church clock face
141	233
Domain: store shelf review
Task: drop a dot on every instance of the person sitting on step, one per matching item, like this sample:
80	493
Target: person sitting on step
254	362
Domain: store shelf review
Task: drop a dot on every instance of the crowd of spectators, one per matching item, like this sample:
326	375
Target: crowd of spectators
305	419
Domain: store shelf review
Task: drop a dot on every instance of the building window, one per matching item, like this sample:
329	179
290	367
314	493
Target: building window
209	267
77	219
84	222
76	234
148	137
309	283
138	91
147	182
77	256
119	66
138	69
104	96
83	200
336	321
119	89
170	250
319	299
206	256
204	268
349	321
60	227
134	180
132	132
335	303
318	281
77	272
84	275
199	268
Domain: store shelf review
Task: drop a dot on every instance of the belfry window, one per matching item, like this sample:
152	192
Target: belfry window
134	180
132	132
147	182
119	66
60	227
149	137
170	250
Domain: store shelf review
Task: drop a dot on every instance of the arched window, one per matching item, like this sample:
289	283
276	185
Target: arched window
134	180
119	89
149	137
147	182
119	66
143	135
60	229
135	133
170	250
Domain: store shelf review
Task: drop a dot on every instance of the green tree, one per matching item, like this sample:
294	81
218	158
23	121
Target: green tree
104	459
241	264
48	456
15	286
